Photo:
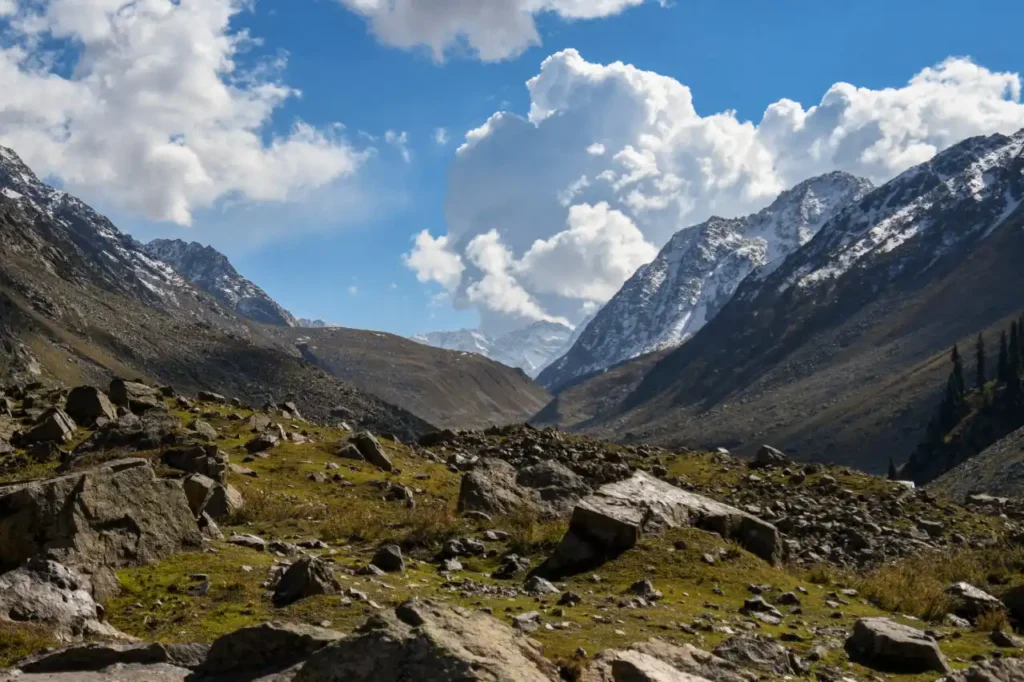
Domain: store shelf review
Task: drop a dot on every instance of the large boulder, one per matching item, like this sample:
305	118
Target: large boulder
614	518
266	648
496	487
206	496
430	641
134	396
970	602
369	447
307	577
99	656
757	653
155	428
768	456
53	426
117	515
86	404
46	592
882	644
659	661
199	459
994	670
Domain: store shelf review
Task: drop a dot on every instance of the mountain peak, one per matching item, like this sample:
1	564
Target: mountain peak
697	272
211	271
530	348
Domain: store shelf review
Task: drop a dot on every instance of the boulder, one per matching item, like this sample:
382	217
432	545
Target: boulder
155	428
247	540
261	443
430	641
613	519
46	592
388	558
756	653
685	659
210	397
198	489
882	644
768	456
134	396
199	459
203	430
970	602
307	577
496	487
635	666
98	656
369	447
268	647
86	404
224	501
117	515
54	426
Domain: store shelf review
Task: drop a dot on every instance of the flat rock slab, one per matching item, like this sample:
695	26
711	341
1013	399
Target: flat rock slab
614	518
159	672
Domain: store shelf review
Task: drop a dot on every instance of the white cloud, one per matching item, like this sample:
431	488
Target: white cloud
353	290
433	261
490	29
158	116
441	136
538	183
590	260
399	141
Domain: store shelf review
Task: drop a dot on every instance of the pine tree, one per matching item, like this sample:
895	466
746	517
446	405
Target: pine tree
1003	368
893	474
1014	356
958	373
979	362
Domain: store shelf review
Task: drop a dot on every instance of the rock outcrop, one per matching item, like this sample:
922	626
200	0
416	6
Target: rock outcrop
119	514
883	644
614	518
86	404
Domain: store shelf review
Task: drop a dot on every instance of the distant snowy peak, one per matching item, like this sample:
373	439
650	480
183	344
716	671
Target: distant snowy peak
212	272
306	323
697	272
531	348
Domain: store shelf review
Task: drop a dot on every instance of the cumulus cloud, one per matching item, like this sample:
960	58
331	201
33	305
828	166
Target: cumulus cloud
147	104
433	261
440	136
490	29
611	160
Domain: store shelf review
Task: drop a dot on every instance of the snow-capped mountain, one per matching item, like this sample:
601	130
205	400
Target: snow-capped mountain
697	272
120	263
211	271
530	348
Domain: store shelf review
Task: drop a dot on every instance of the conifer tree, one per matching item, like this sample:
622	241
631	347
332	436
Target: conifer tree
959	384
1014	354
979	362
1003	368
893	475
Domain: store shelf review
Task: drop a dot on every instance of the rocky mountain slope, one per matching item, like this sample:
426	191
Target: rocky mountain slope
161	537
841	350
81	301
447	388
668	300
211	271
997	470
530	348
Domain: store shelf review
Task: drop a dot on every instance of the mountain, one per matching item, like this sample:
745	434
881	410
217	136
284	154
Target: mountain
81	303
696	273
997	470
306	323
450	389
840	352
530	348
211	271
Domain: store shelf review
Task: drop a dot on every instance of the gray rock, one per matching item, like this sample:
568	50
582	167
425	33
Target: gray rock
224	501
882	644
768	456
636	666
198	489
613	519
122	672
970	602
369	447
757	653
210	397
496	487
307	577
204	430
430	641
86	404
46	592
262	443
389	559
250	541
120	514
995	670
267	647
199	459
54	426
134	396
538	586
1006	640
99	656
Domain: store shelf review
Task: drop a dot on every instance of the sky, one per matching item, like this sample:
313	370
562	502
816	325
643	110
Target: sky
416	165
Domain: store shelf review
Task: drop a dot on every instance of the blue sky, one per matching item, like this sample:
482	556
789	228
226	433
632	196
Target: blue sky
341	259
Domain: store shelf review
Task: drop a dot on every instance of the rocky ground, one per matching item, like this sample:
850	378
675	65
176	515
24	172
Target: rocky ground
150	536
